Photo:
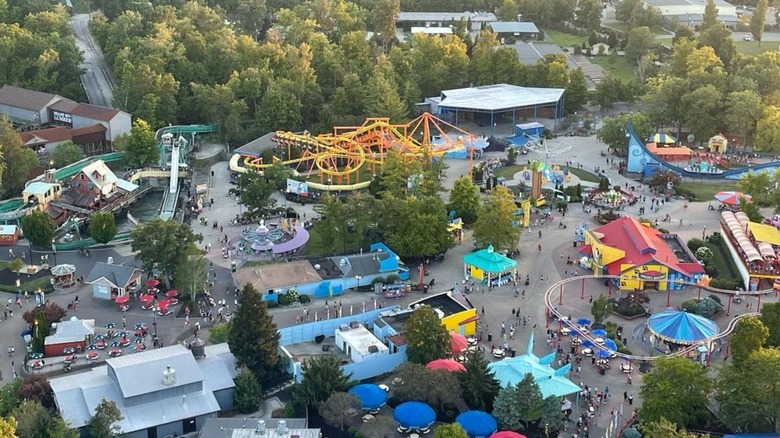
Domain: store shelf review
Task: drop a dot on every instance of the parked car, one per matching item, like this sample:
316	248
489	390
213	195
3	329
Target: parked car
747	38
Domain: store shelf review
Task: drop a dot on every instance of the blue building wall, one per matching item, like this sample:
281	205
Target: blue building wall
307	332
638	157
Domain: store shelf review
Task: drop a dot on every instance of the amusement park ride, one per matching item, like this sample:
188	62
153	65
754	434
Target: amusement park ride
338	157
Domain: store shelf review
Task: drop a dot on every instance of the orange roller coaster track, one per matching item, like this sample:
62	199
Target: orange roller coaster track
341	155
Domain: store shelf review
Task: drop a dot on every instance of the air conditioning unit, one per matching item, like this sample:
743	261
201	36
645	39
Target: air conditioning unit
373	349
354	324
344	327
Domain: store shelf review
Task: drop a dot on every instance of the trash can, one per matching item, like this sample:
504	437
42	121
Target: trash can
490	337
233	266
512	352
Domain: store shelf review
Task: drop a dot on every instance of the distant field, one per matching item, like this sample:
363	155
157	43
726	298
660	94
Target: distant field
752	47
621	69
622	27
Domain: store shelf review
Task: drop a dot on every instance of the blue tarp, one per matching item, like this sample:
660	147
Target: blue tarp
414	415
371	396
477	424
681	327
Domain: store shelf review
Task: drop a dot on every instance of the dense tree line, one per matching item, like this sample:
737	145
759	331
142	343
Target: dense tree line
316	64
37	48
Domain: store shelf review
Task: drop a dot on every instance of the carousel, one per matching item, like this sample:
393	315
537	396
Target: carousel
64	276
672	329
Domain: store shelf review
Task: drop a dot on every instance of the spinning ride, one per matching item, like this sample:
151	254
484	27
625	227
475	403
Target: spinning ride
338	157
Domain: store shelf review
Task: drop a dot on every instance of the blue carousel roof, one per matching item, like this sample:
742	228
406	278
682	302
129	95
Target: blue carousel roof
682	327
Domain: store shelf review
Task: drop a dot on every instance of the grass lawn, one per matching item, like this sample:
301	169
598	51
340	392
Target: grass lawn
623	27
727	270
584	175
621	69
564	39
752	47
509	172
81	7
703	192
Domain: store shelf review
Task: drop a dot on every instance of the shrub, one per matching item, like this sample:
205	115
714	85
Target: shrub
304	299
449	416
694	244
289	297
726	284
378	279
711	270
705	254
392	278
708	307
690	305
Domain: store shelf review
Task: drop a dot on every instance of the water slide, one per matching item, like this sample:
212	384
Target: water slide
188	132
72	169
636	146
172	194
13	210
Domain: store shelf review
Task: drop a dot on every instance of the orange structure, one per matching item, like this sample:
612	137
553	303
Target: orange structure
339	156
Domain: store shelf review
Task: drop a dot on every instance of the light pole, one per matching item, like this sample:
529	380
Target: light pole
54	251
358	277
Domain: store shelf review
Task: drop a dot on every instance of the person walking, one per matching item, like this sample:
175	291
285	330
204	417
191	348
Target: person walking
625	395
631	399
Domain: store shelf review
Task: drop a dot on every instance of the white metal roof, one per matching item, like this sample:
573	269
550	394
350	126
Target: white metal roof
71	331
38	188
498	97
432	30
447	16
8	230
361	340
514	27
142	373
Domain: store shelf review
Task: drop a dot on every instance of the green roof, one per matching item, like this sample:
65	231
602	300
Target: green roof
489	261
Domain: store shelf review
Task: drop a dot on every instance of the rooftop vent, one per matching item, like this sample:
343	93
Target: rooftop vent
169	376
260	429
281	428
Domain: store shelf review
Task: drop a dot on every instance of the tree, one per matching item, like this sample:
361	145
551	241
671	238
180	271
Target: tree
322	377
577	91
505	411
751	210
435	387
38	228
9	399
160	244
464	200
757	184
552	418
339	408
529	402
102	227
676	389
758	20
479	384
721	40
17	160
608	91
380	427
496	221
613	131
664	428
247	392
37	388
589	14
748	394
703	115
453	430
16	265
507	10
141	146
191	273
415	226
219	333
35	421
770	316
256	193
710	16
768	130
52	311
640	41
749	336
103	422
743	109
67	153
385	13
601	309
253	338
426	338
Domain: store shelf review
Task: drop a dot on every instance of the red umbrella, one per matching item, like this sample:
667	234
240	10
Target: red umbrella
146	299
507	434
153	282
122	299
173	293
458	343
445	364
164	303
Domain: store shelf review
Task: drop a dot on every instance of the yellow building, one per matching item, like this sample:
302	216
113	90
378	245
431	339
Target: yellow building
456	313
643	257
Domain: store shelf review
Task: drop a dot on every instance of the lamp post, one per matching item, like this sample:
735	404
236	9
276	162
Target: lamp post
358	277
54	251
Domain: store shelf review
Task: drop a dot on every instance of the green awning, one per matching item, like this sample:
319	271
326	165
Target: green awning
490	261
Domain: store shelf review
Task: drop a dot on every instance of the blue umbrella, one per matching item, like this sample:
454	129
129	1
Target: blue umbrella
583	321
602	354
91	347
599	332
587	344
414	415
574	333
609	344
110	325
477	424
371	396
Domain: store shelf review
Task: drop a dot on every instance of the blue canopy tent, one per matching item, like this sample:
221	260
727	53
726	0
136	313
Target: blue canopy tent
478	424
610	345
371	396
583	322
682	327
599	332
414	415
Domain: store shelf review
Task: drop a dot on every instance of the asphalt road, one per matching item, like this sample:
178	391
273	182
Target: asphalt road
97	80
